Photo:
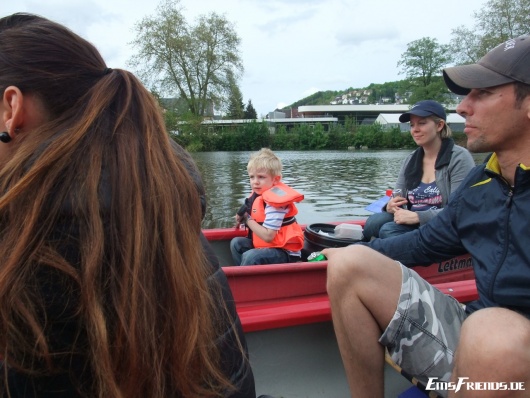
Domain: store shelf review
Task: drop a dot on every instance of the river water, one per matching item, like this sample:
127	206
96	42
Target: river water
337	185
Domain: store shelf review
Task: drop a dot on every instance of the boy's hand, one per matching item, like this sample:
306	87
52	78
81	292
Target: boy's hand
242	219
241	216
243	211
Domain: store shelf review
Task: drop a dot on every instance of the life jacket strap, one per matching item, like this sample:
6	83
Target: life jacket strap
288	221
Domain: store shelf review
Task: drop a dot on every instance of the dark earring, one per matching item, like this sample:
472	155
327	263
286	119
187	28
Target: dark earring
5	137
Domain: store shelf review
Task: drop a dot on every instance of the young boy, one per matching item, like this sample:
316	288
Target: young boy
274	235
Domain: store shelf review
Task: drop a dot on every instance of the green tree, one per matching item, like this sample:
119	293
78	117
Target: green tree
281	139
319	139
304	134
257	135
192	62
466	45
235	100
374	136
496	22
424	59
350	123
250	112
437	91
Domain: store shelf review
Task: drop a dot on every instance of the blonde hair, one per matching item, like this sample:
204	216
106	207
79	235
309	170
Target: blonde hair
265	159
445	132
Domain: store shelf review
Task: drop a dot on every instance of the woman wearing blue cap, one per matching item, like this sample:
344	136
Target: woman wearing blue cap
427	176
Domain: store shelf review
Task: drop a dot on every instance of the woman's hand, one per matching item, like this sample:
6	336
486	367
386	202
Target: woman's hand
395	203
402	216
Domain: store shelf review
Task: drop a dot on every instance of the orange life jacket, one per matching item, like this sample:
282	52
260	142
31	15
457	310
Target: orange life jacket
290	236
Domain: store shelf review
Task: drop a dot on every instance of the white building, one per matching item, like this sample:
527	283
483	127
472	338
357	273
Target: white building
391	120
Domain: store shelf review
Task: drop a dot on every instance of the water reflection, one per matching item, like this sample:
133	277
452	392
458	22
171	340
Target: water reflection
337	185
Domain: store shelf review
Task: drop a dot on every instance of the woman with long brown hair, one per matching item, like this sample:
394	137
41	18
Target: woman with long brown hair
106	288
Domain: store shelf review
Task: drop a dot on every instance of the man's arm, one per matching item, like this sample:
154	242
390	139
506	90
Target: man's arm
435	241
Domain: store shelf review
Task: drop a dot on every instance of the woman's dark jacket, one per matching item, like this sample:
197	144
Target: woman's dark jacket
64	330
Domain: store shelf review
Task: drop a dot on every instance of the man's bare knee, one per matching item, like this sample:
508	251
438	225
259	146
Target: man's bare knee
338	267
488	338
363	273
501	326
348	266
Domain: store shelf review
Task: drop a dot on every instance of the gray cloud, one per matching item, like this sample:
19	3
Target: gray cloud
281	24
357	36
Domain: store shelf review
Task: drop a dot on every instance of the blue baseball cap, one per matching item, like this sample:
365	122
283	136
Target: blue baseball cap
424	109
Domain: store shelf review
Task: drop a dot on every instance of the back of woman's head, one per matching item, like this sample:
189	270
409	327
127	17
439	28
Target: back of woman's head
43	57
96	204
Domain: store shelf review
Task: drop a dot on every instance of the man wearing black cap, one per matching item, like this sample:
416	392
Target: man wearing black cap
484	348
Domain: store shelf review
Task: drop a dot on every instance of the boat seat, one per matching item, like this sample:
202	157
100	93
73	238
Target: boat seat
285	313
464	291
278	312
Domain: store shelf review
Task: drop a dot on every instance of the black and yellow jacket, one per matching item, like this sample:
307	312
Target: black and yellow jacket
487	218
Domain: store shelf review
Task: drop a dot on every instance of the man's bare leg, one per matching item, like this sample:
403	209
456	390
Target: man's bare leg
364	288
494	347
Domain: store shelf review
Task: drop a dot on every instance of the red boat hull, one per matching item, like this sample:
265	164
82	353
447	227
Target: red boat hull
281	295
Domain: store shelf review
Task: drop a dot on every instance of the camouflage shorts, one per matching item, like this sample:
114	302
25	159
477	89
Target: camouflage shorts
423	334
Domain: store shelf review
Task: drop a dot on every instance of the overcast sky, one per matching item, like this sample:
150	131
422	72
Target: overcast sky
290	48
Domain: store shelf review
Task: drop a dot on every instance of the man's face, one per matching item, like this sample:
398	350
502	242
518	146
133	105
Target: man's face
493	122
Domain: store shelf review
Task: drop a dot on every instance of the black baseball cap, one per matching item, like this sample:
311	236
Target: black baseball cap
506	63
423	109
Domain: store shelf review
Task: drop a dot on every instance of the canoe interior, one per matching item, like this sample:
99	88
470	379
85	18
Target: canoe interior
286	316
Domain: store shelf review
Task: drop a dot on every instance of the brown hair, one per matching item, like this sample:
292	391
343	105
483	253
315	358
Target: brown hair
95	203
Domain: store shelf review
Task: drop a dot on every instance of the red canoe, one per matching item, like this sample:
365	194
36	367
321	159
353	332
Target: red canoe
286	316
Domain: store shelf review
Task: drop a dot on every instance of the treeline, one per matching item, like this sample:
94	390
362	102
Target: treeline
255	135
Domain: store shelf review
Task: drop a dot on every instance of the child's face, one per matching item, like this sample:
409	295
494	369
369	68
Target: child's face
261	180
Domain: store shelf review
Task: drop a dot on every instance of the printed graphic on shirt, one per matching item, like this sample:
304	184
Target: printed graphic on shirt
426	196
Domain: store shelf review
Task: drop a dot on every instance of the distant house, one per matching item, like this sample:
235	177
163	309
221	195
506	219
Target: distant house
391	120
276	115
